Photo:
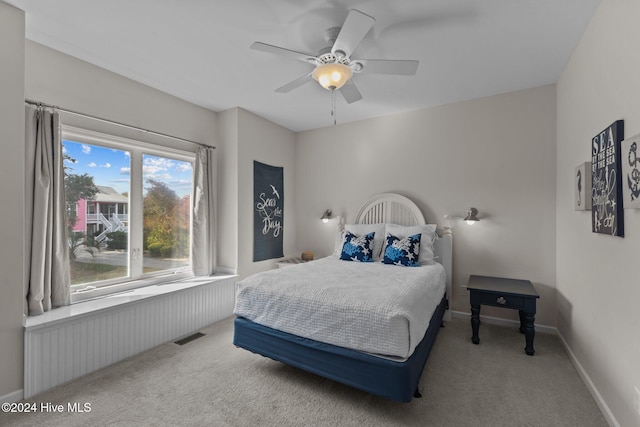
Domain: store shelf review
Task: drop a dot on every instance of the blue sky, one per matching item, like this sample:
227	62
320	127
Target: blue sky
111	167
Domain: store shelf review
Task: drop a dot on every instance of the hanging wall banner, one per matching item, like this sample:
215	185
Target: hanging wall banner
268	208
607	215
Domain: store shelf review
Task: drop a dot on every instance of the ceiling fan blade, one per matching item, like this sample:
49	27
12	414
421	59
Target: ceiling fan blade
350	92
295	83
300	56
355	27
383	66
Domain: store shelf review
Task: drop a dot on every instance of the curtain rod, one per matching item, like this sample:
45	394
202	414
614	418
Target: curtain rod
42	104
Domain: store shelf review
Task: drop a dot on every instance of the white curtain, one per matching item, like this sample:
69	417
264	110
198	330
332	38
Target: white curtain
47	248
203	245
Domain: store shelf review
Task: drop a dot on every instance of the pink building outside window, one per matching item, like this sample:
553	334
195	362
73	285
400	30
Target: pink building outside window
81	214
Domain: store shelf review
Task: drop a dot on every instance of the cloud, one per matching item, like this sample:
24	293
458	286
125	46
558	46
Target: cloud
153	167
183	167
92	165
106	165
159	162
125	171
86	149
159	177
152	170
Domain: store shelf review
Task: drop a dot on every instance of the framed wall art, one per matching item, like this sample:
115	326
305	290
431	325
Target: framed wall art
268	211
582	187
607	215
630	158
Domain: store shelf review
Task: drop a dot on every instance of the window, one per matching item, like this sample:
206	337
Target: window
129	212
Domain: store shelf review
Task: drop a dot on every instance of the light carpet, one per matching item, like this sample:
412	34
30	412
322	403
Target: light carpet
209	382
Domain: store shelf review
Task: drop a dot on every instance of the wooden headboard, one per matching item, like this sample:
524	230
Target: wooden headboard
391	208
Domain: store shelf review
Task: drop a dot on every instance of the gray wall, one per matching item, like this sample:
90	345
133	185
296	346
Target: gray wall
597	278
245	138
228	191
266	142
59	79
496	154
12	207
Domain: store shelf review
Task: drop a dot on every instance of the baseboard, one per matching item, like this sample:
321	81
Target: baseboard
506	322
12	397
604	408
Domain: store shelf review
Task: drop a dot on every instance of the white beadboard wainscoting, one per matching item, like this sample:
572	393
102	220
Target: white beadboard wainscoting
72	341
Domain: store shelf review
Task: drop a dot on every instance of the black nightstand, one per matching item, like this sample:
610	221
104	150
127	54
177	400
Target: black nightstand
509	293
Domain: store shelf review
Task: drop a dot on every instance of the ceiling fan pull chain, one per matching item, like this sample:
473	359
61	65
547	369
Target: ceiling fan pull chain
333	106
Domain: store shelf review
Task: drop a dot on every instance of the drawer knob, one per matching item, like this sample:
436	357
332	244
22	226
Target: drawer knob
501	300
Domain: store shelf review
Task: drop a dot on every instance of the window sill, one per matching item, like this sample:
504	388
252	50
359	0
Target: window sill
89	307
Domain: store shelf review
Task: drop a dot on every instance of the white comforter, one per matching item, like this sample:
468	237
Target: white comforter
370	307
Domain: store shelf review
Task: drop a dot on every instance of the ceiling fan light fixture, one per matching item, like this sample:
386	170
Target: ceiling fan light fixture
332	76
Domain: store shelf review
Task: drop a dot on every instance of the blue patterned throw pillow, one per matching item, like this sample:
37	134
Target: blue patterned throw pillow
402	251
357	248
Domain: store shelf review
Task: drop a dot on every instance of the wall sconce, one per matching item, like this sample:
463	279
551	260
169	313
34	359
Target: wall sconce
472	216
326	216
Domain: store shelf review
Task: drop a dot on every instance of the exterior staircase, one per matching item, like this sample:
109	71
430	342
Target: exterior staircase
111	224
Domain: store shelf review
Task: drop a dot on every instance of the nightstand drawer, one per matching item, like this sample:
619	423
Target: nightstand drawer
508	293
501	300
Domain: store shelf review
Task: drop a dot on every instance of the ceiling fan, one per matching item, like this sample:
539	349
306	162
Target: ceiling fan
334	67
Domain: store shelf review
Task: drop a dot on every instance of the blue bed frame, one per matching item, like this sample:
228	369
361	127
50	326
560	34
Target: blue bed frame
387	378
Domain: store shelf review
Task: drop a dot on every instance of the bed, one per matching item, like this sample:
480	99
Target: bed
371	337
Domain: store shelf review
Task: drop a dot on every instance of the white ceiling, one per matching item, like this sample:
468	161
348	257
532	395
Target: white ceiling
198	50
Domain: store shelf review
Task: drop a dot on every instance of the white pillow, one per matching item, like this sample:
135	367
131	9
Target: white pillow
429	236
360	230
